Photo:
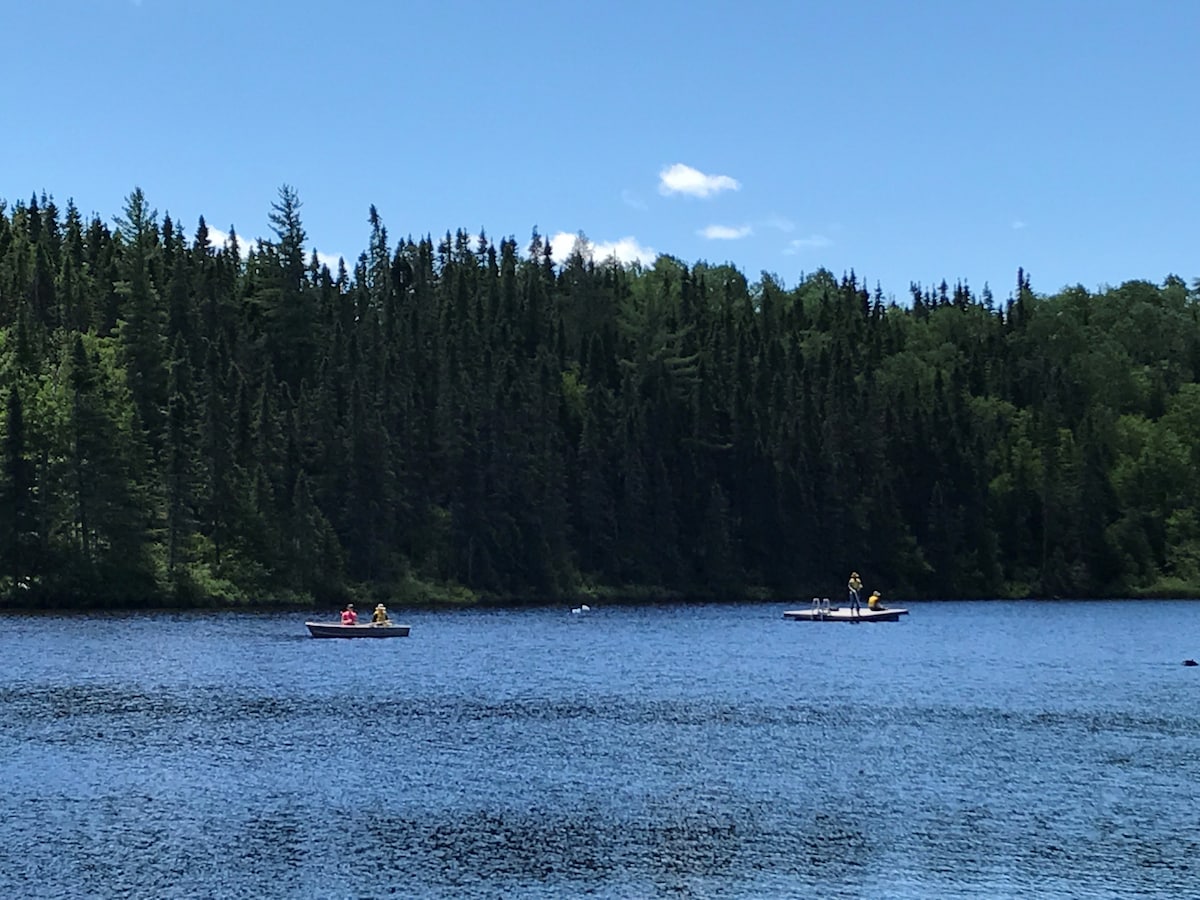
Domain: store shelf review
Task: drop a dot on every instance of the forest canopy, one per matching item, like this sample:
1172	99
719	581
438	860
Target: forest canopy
465	419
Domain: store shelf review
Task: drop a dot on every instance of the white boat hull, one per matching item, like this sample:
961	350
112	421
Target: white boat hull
845	614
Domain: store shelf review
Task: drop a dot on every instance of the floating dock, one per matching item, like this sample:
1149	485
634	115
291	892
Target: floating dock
839	614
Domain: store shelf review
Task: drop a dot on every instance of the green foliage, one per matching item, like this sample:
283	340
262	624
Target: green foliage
454	422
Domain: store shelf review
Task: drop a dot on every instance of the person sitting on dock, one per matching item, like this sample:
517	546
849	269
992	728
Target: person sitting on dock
875	602
380	616
349	616
854	586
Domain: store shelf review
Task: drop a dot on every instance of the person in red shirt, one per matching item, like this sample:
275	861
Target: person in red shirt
349	616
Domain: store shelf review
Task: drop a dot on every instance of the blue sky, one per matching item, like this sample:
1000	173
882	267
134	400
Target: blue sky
909	141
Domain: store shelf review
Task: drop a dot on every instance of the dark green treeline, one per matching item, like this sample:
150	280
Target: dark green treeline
185	423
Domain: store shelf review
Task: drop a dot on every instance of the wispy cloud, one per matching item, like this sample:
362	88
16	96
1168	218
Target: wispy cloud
681	179
779	223
625	250
629	198
1017	224
812	242
725	232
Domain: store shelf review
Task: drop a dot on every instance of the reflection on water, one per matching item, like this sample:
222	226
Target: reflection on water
977	750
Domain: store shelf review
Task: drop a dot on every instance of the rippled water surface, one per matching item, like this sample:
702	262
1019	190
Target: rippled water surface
970	750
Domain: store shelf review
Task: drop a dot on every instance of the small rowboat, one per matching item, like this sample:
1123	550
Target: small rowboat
337	630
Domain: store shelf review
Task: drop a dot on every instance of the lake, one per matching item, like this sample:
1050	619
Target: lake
998	749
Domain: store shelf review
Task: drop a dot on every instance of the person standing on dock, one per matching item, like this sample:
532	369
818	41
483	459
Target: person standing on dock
854	586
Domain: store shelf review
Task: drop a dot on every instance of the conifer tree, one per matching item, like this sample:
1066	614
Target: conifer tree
143	317
18	497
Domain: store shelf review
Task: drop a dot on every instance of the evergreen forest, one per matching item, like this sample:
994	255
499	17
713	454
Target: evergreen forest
465	420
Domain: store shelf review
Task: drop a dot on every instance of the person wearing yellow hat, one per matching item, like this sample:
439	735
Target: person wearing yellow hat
854	586
380	616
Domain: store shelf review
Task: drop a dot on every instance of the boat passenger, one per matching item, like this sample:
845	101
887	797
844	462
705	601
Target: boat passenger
875	602
380	616
854	586
349	616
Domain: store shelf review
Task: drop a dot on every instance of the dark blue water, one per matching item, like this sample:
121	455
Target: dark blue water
970	750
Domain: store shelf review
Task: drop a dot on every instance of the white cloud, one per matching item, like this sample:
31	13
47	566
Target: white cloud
779	222
329	261
626	250
1017	225
725	232
681	179
219	238
813	241
562	244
